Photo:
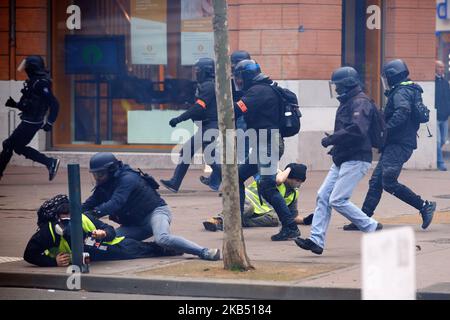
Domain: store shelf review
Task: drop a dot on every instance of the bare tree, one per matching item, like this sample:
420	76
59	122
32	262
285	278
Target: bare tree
234	253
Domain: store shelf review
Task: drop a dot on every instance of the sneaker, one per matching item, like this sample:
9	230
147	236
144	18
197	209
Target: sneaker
168	184
442	168
205	181
213	224
211	255
286	233
427	213
53	169
307	244
351	227
379	227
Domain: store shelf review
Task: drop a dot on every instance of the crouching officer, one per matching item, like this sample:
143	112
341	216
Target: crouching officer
204	110
37	98
401	141
261	214
260	105
50	245
130	198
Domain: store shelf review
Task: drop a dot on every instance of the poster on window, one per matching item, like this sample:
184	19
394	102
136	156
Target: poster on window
149	32
197	37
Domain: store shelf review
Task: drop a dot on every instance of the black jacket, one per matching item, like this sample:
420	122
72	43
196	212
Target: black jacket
37	98
42	240
401	125
205	107
442	98
351	139
127	198
260	106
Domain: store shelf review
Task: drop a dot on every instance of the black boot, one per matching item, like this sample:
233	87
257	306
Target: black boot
53	169
287	233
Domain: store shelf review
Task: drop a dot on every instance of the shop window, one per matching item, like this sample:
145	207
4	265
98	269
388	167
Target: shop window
127	71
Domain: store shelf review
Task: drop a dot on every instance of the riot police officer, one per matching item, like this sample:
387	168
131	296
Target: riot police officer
352	157
236	57
131	199
204	110
260	105
37	98
402	127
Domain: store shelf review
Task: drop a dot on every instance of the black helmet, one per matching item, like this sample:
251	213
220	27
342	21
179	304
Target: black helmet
204	69
343	80
238	56
395	72
50	209
104	161
34	66
245	73
345	76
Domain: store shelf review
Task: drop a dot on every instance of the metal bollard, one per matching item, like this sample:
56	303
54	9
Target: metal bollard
76	230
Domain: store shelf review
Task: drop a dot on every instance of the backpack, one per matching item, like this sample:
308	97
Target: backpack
421	113
289	111
378	129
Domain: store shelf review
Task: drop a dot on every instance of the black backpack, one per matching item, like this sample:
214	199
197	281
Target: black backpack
289	111
421	112
378	129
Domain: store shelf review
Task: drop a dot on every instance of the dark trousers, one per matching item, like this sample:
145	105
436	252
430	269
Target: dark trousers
267	181
385	177
18	142
128	249
192	148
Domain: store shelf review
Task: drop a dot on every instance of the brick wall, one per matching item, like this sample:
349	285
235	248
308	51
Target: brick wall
268	29
31	35
4	40
410	35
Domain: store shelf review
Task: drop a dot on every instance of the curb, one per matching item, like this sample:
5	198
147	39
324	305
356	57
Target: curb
166	286
179	287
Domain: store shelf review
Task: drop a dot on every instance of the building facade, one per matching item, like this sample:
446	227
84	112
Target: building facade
122	68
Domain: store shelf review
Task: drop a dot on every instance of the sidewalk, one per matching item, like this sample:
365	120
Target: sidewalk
283	271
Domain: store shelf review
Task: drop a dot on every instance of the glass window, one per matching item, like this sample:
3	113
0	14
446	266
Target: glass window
127	71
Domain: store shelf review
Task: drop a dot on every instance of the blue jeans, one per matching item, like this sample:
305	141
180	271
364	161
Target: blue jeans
441	139
335	193
157	224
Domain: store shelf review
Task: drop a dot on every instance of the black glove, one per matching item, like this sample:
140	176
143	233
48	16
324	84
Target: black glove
326	142
173	123
47	127
11	103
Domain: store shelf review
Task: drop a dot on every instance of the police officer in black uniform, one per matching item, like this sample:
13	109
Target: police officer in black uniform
204	110
260	106
37	98
131	199
401	141
236	57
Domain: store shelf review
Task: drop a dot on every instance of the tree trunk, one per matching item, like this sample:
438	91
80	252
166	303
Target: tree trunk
234	254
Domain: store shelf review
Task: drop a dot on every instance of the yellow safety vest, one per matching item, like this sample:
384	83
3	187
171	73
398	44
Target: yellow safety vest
251	194
64	247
